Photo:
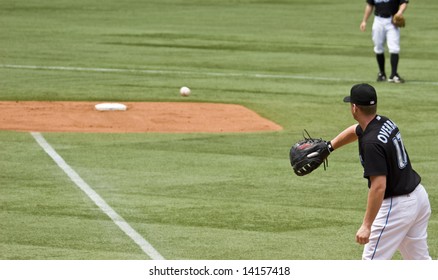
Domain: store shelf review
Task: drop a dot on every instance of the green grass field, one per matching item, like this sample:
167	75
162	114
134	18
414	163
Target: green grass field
203	196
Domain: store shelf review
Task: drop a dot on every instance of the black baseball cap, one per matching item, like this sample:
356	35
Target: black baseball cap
362	94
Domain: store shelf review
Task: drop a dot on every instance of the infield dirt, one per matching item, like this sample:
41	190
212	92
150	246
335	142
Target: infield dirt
165	117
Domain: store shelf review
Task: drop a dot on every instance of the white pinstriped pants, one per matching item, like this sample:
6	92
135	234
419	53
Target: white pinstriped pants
401	224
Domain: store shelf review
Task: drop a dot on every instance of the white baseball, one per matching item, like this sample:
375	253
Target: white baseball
184	91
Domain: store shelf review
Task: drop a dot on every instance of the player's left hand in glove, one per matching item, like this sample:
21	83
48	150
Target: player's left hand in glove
399	20
308	154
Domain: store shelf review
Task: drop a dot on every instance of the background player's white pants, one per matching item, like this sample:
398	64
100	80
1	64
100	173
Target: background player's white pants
385	31
401	224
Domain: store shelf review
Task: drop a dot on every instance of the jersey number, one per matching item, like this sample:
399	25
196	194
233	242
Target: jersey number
402	158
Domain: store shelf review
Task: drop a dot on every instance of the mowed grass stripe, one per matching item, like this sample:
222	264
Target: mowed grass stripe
194	73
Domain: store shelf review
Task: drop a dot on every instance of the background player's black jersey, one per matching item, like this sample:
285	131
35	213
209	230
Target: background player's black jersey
382	152
386	8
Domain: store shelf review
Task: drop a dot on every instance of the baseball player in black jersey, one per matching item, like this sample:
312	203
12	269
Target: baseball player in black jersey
384	30
398	208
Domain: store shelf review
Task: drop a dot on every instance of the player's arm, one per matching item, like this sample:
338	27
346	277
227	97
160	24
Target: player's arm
367	13
375	199
345	137
402	9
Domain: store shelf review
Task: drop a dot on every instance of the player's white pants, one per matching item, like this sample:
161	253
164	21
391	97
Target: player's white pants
401	224
385	31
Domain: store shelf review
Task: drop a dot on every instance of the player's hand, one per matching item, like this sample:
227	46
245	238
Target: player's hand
363	235
363	26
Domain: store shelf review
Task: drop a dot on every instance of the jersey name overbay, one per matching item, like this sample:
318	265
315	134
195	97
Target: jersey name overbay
385	131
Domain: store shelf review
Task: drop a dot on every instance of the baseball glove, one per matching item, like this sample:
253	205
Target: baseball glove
399	20
308	154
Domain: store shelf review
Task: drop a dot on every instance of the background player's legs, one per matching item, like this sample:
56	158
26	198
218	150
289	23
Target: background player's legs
381	63
394	63
393	40
379	37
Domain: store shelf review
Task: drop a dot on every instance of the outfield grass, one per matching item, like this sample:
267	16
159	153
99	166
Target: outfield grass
203	196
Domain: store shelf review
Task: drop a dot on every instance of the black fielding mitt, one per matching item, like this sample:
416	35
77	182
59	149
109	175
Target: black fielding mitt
308	154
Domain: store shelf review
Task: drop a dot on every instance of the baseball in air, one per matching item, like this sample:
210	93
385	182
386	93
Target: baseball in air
184	91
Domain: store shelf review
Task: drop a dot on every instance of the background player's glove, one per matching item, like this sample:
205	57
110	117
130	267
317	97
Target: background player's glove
308	154
399	20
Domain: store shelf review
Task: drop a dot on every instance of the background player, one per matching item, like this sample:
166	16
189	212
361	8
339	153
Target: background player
384	30
398	208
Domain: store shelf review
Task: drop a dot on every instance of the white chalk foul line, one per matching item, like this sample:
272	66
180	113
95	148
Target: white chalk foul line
175	72
97	199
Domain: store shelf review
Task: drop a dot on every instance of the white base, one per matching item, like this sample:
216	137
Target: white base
110	107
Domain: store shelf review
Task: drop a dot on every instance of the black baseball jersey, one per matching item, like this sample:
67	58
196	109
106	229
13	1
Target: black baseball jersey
386	8
382	152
